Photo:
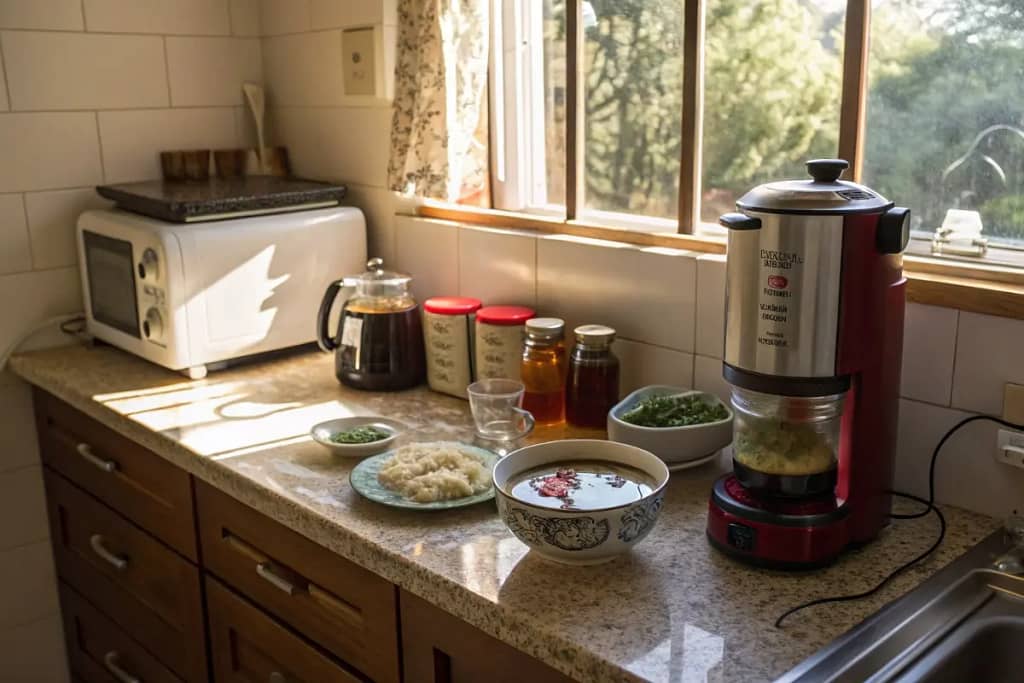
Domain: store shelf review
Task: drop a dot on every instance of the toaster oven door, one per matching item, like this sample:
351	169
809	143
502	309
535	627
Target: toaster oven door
110	271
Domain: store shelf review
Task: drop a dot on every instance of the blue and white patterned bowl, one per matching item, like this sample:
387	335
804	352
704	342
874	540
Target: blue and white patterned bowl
580	536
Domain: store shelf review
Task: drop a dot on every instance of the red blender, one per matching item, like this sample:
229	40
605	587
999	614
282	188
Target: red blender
814	336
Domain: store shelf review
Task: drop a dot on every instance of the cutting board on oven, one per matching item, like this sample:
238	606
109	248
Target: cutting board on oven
187	201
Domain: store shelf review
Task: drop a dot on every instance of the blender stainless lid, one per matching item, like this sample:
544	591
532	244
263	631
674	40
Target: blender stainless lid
825	194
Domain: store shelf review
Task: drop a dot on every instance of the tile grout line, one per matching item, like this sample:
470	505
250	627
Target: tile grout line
167	74
86	110
231	19
28	232
956	349
85	23
14	627
99	144
130	34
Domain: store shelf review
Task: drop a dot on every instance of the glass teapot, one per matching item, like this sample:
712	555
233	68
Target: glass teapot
379	340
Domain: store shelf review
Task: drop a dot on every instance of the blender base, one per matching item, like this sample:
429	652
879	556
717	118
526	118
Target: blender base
776	533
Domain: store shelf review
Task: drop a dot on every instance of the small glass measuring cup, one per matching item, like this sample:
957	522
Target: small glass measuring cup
495	404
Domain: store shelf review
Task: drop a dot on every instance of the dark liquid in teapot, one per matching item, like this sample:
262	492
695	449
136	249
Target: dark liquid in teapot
387	349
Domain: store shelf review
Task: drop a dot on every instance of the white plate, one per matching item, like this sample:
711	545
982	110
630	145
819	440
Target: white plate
680	466
322	432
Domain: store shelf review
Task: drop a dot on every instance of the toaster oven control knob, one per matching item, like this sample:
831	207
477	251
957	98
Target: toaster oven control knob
153	325
149	266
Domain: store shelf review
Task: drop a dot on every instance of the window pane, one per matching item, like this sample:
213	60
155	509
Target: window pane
772	73
549	188
945	126
633	97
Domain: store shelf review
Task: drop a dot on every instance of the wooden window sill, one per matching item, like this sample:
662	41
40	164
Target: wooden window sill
978	289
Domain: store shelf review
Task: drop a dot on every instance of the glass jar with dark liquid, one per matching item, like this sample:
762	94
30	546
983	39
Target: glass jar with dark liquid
592	388
379	341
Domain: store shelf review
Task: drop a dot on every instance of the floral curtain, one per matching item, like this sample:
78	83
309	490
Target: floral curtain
437	150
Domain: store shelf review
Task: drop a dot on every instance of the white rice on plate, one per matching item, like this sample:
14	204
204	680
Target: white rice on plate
429	472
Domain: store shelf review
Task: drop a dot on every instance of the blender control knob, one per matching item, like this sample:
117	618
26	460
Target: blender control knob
827	170
893	231
153	325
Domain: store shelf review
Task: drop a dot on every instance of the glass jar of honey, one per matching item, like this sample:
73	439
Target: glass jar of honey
542	370
592	387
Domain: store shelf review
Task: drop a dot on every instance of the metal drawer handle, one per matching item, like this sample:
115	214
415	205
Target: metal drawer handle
116	561
85	450
264	570
110	661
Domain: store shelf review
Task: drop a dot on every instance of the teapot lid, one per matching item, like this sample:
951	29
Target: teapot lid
377	282
825	194
375	273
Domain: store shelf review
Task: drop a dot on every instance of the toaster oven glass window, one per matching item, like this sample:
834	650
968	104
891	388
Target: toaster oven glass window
110	268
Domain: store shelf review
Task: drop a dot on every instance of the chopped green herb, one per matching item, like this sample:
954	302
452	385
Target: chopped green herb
366	434
674	411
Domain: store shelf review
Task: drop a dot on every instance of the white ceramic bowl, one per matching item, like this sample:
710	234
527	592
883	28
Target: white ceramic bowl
579	536
322	433
672	444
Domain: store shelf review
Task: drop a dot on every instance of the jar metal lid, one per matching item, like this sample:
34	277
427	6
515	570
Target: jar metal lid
545	328
451	305
504	315
594	334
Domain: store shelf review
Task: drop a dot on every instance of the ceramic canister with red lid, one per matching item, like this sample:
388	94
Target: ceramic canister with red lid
499	340
447	337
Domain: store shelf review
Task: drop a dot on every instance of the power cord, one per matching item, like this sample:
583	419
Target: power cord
65	321
929	507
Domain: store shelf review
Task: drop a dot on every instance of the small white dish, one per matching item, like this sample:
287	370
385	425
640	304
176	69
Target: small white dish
672	444
322	433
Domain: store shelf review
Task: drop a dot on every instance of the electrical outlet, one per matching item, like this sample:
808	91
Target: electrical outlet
1010	447
359	60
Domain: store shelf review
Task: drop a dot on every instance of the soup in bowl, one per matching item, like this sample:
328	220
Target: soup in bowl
580	501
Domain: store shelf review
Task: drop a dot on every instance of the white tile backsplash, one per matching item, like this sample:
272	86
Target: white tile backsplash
44	151
622	286
929	345
211	71
133	140
59	15
52	217
498	267
189	17
429	251
642	364
18	445
34	652
284	16
84	71
378	206
28	299
30	568
22	507
305	69
967	474
16	254
710	305
245	18
707	376
988	355
356	137
345	13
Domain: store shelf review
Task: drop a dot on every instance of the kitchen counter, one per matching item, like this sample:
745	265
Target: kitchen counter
672	610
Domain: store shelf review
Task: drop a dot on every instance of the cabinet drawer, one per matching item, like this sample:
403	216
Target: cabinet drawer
344	608
249	646
147	489
133	577
100	651
440	648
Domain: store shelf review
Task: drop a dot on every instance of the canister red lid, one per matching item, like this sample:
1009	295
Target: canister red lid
452	305
504	315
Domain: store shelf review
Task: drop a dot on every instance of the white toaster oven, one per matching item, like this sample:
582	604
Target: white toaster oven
189	296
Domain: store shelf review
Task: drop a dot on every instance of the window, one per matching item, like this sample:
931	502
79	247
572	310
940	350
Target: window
656	115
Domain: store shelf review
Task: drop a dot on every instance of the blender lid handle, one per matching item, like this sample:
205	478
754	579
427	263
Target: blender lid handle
739	221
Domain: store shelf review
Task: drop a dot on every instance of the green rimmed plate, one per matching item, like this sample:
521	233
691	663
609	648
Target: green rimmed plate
364	480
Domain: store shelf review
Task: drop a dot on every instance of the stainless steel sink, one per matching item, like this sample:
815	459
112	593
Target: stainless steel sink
964	624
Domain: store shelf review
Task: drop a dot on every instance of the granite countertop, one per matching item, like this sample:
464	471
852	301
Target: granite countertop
672	610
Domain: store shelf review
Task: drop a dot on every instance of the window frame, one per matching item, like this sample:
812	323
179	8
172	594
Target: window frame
984	288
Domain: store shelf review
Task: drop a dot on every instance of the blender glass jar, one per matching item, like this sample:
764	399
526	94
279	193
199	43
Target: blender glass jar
786	437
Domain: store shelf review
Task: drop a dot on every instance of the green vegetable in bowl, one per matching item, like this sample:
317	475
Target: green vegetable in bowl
366	434
674	411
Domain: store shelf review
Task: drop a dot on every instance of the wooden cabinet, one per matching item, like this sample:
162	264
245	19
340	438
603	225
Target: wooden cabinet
340	606
440	648
249	646
165	579
139	484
